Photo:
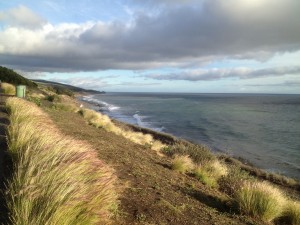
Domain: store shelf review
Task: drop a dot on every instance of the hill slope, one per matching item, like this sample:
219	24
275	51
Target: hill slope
10	76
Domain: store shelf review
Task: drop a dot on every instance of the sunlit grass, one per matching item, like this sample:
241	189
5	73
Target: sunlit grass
210	172
260	200
56	179
292	212
182	163
102	121
8	89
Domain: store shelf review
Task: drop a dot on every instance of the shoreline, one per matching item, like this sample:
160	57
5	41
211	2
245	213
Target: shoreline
170	139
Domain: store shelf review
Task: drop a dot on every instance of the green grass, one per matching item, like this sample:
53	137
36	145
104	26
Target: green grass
260	200
182	163
210	172
56	179
292	213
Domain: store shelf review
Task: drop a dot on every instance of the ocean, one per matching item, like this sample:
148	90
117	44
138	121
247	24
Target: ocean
261	128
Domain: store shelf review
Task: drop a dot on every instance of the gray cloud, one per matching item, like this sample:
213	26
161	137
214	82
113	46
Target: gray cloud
216	74
288	83
176	36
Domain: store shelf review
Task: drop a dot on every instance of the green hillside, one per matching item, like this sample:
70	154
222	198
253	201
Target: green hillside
10	76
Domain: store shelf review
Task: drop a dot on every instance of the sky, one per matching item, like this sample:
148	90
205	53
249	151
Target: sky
204	46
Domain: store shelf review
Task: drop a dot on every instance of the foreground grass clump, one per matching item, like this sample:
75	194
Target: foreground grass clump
261	200
102	121
210	172
182	163
292	213
8	89
56	179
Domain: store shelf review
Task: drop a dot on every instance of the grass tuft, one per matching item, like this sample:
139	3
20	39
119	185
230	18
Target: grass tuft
56	179
8	89
210	172
102	121
261	200
292	213
182	163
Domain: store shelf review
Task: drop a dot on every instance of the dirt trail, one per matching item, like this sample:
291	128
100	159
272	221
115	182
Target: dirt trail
151	193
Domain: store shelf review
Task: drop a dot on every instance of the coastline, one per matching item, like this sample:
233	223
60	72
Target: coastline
170	139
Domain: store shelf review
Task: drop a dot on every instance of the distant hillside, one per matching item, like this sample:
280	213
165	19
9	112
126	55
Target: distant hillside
70	87
10	76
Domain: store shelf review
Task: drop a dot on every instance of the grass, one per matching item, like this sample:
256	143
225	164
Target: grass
102	121
292	212
56	179
182	163
260	200
198	153
8	89
210	172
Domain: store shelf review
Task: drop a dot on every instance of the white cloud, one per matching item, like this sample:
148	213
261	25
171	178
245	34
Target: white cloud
21	16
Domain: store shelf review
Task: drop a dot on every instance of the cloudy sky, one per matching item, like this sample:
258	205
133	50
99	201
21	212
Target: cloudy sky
206	46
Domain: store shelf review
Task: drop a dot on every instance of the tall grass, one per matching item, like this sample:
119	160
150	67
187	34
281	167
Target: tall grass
102	121
210	172
8	89
182	163
56	179
261	200
292	213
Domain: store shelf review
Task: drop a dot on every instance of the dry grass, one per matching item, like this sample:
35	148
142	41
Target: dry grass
210	172
182	163
56	179
292	213
8	89
260	200
102	121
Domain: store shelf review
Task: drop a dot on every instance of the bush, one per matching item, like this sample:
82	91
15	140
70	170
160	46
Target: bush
8	89
68	107
53	98
234	180
198	153
261	200
182	163
292	213
56	179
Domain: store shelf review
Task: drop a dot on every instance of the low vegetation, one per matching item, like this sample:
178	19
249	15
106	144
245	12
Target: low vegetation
102	121
8	89
292	213
56	179
182	163
261	200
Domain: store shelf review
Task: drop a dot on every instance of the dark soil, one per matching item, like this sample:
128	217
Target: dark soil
150	192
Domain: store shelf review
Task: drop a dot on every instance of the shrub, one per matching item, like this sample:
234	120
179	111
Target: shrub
8	89
182	163
261	200
234	180
56	179
198	153
292	213
53	98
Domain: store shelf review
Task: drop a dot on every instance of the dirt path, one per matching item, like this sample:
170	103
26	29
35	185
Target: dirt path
151	193
5	162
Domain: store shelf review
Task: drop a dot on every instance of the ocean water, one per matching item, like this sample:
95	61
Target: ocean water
263	129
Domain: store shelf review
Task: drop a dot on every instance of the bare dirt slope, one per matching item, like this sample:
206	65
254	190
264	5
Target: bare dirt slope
150	192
